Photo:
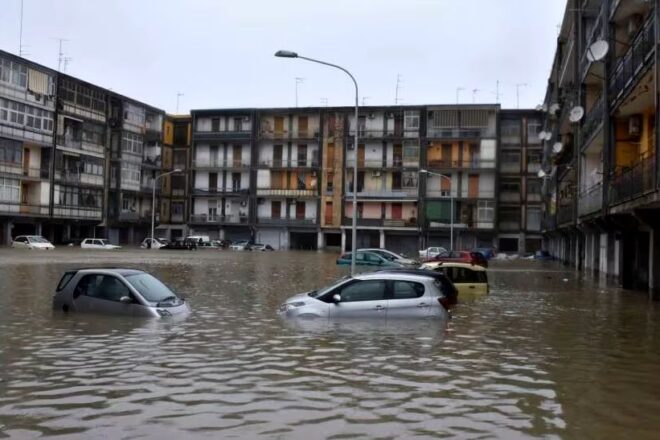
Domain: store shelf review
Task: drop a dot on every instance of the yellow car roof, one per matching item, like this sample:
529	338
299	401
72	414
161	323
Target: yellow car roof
436	264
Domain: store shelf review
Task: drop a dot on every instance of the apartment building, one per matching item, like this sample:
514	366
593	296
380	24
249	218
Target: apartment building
27	129
600	163
175	194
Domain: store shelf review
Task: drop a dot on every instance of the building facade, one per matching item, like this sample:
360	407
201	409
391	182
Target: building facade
600	163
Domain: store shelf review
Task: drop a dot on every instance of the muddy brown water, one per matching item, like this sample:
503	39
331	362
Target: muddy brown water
540	357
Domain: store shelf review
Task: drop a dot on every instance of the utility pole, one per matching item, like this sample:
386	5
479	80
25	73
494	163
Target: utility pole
398	87
518	86
298	81
458	90
178	95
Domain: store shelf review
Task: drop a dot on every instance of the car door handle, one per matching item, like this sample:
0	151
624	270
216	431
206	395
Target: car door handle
379	307
471	287
422	305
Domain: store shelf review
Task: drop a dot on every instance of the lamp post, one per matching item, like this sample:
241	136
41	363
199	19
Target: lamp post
153	203
289	54
451	205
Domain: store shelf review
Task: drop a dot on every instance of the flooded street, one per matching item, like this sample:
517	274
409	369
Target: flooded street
538	357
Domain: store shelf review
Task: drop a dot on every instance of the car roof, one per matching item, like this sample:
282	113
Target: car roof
115	270
436	264
401	274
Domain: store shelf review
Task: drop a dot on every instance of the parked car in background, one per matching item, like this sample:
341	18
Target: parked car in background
241	245
391	256
543	255
462	257
487	252
181	244
387	294
116	291
261	247
431	252
157	243
32	242
199	239
213	244
468	278
364	258
98	243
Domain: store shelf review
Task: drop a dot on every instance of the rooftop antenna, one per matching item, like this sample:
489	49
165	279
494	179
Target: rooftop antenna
474	95
518	86
60	57
458	91
298	81
178	95
324	102
398	87
497	92
67	60
364	100
20	34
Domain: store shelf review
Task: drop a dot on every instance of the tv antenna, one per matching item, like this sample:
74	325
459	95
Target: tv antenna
298	81
66	61
497	93
324	102
364	100
398	87
60	57
20	34
458	91
178	95
518	86
474	95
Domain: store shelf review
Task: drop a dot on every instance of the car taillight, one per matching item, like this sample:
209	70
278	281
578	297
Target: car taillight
445	302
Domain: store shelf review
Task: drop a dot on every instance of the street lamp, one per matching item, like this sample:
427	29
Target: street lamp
153	203
451	205
290	54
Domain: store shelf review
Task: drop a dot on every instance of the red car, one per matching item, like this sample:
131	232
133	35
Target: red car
462	257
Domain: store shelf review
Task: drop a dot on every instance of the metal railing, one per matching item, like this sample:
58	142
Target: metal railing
219	163
287	192
628	67
632	182
69	142
216	219
590	200
286	163
509	225
220	191
454	133
286	134
203	135
392	194
18	170
154	161
593	120
596	33
18	208
83	212
473	163
481	194
286	221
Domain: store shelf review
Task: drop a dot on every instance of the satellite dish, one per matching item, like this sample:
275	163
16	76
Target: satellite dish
544	107
597	51
553	108
577	113
548	136
541	174
542	135
539	108
557	147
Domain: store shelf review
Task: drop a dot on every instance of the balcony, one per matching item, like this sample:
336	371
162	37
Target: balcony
510	167
128	216
481	194
381	222
375	163
593	120
286	163
285	134
509	225
212	192
278	221
565	214
273	192
455	133
78	212
19	171
219	163
632	182
595	34
385	194
152	161
75	177
178	192
441	193
222	135
474	163
69	142
629	67
509	197
202	219
16	208
590	200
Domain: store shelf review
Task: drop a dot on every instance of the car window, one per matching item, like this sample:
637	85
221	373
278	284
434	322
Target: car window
106	287
20	239
360	256
456	255
102	242
372	290
444	255
65	280
374	258
407	290
150	287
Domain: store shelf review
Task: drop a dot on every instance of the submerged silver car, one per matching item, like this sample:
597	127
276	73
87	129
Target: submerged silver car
390	294
117	291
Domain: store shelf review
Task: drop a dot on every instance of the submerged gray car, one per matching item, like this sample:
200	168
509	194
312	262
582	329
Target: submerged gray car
390	294
118	292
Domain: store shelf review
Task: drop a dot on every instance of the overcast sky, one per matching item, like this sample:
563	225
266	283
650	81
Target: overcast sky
220	53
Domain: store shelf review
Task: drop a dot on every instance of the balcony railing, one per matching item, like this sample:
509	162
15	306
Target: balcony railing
590	200
220	191
565	214
381	222
80	212
16	208
629	66
441	193
178	192
69	142
285	134
593	120
509	225
208	135
474	163
385	194
70	176
219	163
287	192
286	221
128	216
285	163
454	133
218	219
19	171
632	182
510	197
596	33
152	161
481	194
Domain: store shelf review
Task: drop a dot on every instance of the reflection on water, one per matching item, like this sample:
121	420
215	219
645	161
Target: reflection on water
538	357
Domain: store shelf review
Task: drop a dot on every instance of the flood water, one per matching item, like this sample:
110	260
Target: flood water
538	357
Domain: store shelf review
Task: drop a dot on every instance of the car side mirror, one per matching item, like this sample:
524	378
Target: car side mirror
125	300
336	298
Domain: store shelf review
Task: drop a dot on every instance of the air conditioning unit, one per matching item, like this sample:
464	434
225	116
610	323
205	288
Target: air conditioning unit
390	115
371	116
635	125
244	203
246	119
293	202
634	23
350	146
375	174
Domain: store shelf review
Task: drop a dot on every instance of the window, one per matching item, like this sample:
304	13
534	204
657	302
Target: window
465	275
485	211
132	143
510	187
238	124
105	287
533	188
407	290
93	134
533	219
65	280
134	114
534	127
215	124
411	120
372	290
13	73
510	131
181	135
150	288
78	197
9	190
410	179
11	151
177	208
130	173
25	115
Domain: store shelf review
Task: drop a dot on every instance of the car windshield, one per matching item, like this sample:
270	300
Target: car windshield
150	287
38	240
324	290
103	242
385	255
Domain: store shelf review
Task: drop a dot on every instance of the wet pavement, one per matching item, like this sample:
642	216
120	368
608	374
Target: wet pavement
538	357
